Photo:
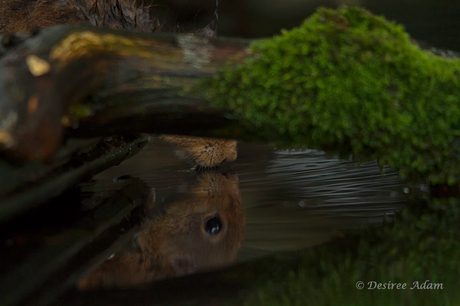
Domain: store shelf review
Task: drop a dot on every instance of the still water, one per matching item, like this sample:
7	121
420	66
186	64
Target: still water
267	201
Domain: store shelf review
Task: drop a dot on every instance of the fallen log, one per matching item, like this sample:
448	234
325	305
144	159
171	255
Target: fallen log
42	76
345	81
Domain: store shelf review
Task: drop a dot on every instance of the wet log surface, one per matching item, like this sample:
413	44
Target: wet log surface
42	76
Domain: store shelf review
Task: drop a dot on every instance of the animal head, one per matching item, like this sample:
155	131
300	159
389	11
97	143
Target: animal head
203	229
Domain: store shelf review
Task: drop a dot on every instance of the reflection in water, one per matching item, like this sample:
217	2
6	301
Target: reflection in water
200	230
300	199
292	200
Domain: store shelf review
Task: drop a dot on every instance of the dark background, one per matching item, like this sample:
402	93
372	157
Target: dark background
436	22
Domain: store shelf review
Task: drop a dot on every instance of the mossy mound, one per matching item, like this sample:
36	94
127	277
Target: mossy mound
351	82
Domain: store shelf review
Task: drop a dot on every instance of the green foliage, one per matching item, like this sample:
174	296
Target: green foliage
422	244
352	82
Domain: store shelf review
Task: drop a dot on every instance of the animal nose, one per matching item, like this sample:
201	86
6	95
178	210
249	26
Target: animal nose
230	157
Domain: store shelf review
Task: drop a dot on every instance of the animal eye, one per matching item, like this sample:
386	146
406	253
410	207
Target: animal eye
213	225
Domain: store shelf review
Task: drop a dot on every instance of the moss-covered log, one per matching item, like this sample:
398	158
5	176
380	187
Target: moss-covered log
343	81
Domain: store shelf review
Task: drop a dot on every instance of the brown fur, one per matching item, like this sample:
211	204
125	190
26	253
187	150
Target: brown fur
23	16
206	152
174	242
18	16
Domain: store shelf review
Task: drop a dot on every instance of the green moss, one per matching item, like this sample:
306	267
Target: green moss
349	81
422	244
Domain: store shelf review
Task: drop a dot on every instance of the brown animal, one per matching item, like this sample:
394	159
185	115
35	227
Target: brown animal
202	230
26	15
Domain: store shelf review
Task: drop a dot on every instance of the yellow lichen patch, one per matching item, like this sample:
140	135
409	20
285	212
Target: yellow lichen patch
32	105
5	138
37	66
78	44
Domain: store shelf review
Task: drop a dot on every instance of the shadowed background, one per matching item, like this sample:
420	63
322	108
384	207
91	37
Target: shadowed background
434	22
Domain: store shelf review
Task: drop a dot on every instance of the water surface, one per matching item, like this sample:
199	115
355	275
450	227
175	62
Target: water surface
289	200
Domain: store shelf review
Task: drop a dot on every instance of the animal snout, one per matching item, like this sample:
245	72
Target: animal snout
230	156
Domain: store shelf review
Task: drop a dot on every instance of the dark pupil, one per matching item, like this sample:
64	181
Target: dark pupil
213	226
